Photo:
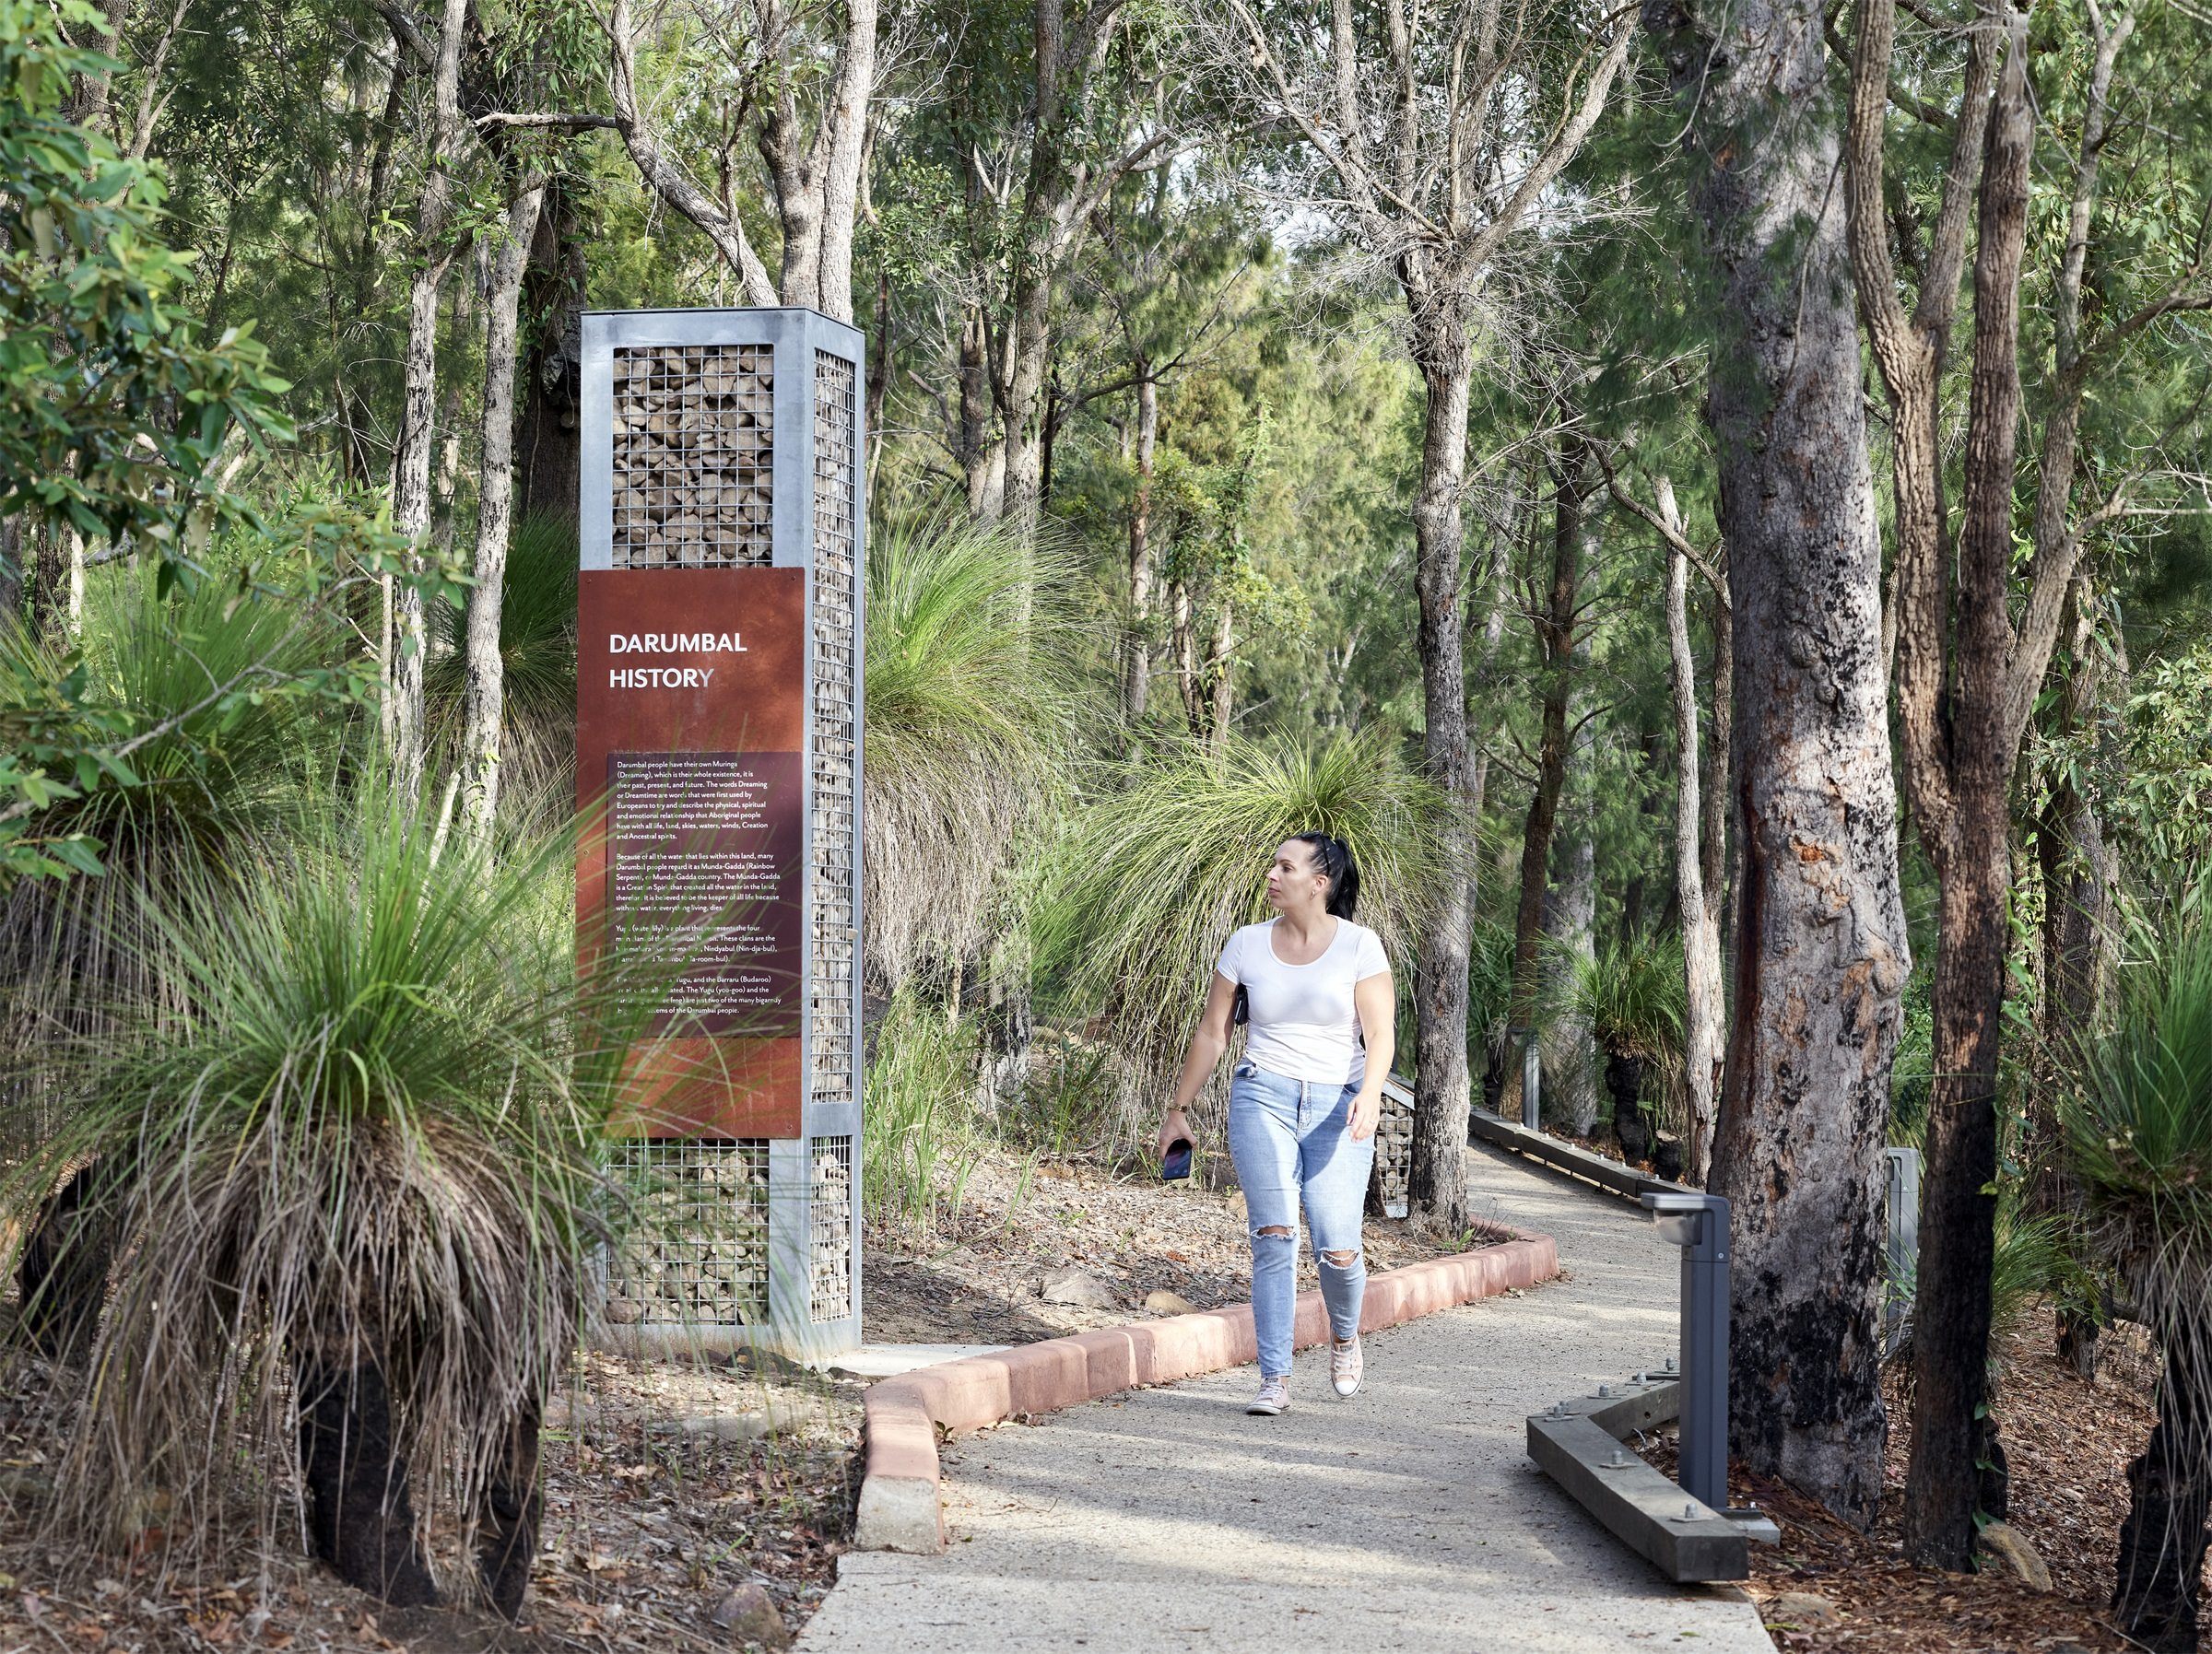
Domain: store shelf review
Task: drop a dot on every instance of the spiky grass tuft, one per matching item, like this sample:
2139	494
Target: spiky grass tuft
1148	884
1633	993
971	698
361	1132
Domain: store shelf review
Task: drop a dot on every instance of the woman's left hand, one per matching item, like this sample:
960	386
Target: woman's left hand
1367	1109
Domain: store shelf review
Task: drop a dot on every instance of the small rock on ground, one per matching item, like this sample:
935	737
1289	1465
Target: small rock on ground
747	1613
1073	1286
2003	1540
720	1427
1799	1608
1164	1302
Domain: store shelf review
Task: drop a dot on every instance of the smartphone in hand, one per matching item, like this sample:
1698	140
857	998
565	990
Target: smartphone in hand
1178	1162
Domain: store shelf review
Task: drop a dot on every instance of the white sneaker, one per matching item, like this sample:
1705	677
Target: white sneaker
1344	1367
1275	1395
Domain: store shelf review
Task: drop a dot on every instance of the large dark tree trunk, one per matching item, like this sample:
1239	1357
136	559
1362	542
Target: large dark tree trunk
1554	637
1820	950
512	1512
61	1276
1966	837
1446	358
548	440
360	1516
2161	1557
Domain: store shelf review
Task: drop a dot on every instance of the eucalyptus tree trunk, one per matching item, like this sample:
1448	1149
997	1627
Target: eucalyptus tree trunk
1225	681
816	175
2075	863
1555	639
548	439
417	427
484	701
1955	663
1701	932
983	461
1438	1180
1570	1083
1821	955
1185	648
1137	685
1714	844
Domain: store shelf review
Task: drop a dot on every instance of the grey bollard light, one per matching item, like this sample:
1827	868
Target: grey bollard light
1699	1224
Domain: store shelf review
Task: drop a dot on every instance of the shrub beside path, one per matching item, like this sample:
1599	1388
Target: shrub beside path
1167	1519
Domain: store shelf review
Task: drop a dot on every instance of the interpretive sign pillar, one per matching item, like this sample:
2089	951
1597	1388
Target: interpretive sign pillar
718	769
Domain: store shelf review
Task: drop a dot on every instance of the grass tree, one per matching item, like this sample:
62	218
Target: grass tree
1152	876
1632	995
2140	1137
340	1184
212	777
971	701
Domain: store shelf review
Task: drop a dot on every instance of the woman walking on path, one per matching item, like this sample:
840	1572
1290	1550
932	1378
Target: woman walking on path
1304	1099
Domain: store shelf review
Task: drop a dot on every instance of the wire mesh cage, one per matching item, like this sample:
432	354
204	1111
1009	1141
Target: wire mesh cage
732	440
695	1221
834	709
829	1229
1391	1182
693	456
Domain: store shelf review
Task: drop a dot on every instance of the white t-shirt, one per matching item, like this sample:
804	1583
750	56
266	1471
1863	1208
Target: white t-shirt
1304	1026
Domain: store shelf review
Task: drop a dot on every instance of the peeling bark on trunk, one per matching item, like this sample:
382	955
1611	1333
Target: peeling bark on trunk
484	703
417	429
1700	932
1821	955
1438	1182
1136	688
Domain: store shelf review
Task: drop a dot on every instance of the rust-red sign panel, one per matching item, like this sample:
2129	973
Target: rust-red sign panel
690	717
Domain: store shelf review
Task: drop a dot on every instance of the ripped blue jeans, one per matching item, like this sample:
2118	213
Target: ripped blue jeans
1291	1140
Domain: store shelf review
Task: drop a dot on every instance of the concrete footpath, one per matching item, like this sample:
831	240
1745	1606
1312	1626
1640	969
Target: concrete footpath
1407	1519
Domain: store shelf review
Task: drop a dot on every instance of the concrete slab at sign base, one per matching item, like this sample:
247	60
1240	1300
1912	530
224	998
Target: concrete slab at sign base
889	1360
900	1507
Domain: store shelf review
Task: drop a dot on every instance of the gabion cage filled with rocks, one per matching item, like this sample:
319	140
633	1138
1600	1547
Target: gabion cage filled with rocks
1392	1181
700	1229
733	440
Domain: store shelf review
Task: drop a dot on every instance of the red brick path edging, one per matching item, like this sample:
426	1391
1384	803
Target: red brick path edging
898	1504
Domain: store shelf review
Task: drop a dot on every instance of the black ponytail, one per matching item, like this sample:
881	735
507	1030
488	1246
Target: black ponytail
1333	857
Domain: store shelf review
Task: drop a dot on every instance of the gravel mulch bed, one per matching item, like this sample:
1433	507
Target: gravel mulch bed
2066	1443
976	1274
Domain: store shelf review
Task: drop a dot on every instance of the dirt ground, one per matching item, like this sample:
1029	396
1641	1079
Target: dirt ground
669	1483
2066	1443
975	1276
652	1519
